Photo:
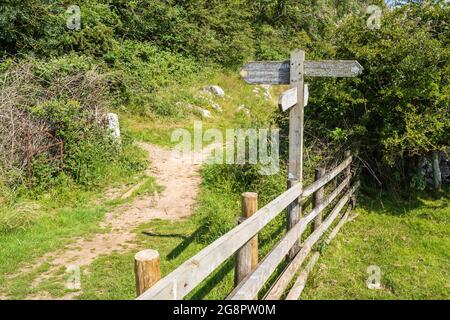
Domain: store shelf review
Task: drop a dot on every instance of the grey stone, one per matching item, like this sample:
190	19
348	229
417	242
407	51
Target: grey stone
216	90
113	125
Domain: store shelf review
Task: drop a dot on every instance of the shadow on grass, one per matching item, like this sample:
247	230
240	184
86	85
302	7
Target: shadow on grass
212	282
401	203
187	240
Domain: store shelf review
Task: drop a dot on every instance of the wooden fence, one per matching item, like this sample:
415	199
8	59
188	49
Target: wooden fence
251	276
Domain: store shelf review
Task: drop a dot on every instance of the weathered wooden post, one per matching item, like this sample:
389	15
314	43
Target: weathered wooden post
146	269
318	197
295	168
247	256
348	170
293	72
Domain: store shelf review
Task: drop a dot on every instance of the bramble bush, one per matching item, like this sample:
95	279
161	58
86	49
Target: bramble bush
63	99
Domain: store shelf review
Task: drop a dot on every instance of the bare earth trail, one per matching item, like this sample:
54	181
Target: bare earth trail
180	179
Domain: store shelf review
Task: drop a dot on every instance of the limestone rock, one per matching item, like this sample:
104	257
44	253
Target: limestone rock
215	90
203	112
113	125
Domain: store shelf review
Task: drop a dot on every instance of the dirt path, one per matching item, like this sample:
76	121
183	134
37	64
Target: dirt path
179	177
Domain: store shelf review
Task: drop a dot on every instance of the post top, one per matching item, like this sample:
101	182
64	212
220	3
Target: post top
145	255
250	195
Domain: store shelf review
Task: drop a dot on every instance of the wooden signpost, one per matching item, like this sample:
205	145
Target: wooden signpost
293	72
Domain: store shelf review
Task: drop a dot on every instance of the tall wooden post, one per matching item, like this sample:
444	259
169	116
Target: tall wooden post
247	256
318	197
146	270
295	168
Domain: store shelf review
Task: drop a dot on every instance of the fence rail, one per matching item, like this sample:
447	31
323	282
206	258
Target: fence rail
191	273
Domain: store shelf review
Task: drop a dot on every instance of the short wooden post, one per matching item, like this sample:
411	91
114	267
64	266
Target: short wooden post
247	256
146	269
318	197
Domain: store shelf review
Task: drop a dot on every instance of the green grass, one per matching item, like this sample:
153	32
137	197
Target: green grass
158	130
112	277
34	224
409	240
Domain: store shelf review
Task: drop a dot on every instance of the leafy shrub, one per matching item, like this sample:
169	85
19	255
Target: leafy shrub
67	97
399	108
141	72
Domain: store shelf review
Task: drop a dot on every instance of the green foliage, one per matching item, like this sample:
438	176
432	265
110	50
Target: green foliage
418	182
399	108
220	200
213	30
139	72
68	96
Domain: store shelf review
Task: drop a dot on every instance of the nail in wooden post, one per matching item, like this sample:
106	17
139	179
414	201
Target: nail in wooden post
146	269
318	197
247	256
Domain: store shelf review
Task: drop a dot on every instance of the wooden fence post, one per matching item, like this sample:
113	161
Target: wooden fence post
146	269
247	255
318	197
348	170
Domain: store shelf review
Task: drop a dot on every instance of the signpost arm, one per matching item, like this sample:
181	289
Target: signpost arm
295	167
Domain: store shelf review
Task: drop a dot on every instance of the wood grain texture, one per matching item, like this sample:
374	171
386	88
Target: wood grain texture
247	256
250	286
277	290
278	72
318	196
300	283
316	185
146	269
188	275
295	165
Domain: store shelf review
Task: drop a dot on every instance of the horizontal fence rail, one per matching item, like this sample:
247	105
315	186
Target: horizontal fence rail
191	273
249	287
283	281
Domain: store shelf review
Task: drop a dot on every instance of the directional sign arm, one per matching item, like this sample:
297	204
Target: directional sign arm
278	72
267	72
